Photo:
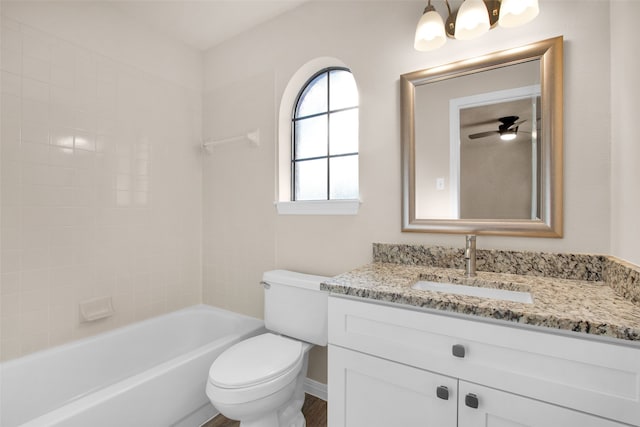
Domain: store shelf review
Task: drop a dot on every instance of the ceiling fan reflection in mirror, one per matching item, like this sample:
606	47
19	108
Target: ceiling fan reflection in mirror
508	129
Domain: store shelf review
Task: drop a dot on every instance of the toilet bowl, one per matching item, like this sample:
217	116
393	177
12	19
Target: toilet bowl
256	381
259	381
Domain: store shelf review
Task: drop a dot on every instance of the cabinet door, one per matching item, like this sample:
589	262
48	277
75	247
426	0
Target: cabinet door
500	409
366	391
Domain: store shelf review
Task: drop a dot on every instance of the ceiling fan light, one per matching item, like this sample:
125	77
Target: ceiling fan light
472	20
430	33
509	135
514	13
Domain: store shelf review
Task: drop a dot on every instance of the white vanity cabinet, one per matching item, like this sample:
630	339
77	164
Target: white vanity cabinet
395	366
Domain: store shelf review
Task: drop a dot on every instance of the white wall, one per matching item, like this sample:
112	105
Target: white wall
625	128
375	39
101	172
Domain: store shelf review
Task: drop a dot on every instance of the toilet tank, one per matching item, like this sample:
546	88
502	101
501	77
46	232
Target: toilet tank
295	306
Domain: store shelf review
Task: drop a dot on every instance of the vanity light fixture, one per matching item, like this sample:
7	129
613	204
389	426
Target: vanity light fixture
471	20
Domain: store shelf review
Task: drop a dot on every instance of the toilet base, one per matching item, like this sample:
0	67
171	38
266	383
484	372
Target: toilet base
289	415
275	420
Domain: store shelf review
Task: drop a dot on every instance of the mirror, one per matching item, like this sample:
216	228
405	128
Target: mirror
482	144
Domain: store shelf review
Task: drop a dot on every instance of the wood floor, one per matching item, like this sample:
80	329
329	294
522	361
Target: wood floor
314	410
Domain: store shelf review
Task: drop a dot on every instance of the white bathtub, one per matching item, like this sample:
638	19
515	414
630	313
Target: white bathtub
152	373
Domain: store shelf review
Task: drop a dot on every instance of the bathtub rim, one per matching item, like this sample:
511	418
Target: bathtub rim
97	395
118	330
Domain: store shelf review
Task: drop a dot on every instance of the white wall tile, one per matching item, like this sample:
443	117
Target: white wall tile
35	258
11	83
81	166
11	238
10	305
61	155
32	280
62	76
10	130
35	113
63	54
11	215
34	300
35	68
84	141
11	174
34	153
10	328
11	107
34	322
11	60
11	38
36	44
62	137
35	90
36	132
10	283
62	96
83	159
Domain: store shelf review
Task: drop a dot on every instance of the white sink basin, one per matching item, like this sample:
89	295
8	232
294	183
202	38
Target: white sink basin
475	291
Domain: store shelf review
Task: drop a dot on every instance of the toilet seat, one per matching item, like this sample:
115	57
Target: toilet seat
255	368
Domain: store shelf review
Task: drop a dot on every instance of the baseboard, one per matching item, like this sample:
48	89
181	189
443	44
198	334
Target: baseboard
315	388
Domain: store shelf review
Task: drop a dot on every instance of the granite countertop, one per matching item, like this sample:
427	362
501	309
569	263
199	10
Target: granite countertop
584	306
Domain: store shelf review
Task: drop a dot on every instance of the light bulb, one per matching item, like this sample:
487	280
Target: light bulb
472	20
430	33
517	12
508	136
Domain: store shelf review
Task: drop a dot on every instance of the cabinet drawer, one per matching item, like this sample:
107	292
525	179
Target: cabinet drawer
582	374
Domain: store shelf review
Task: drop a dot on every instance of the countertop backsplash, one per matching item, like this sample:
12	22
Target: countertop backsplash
623	277
558	265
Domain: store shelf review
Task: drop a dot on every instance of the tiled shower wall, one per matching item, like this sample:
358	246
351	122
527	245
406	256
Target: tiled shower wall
101	190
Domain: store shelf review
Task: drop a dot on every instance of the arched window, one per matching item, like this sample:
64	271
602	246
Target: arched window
324	152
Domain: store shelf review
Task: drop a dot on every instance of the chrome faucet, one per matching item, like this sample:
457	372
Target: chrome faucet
470	256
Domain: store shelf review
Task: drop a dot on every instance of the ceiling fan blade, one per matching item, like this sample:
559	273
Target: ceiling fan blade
483	134
484	122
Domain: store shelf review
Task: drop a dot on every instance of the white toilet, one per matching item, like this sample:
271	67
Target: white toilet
259	381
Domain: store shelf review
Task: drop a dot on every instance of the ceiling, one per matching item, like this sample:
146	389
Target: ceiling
205	23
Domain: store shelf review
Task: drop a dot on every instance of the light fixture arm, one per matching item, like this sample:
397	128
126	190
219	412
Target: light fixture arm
448	6
450	23
429	8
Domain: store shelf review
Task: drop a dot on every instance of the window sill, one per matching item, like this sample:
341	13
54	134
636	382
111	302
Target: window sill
319	207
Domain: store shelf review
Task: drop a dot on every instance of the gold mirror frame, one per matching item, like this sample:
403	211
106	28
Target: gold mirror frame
549	52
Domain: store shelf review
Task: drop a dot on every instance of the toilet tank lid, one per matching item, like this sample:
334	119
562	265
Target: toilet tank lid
292	278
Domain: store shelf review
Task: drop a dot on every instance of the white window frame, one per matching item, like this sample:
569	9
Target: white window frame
284	204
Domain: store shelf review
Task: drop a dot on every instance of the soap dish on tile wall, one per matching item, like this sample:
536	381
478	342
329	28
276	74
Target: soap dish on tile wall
96	309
